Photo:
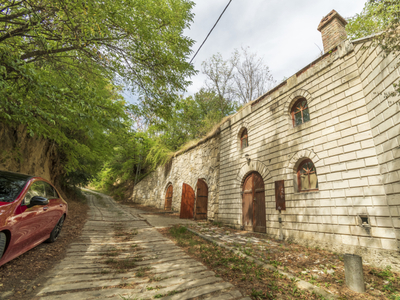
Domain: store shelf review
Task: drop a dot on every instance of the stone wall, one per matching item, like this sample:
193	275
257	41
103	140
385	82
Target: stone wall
378	73
352	138
201	162
340	142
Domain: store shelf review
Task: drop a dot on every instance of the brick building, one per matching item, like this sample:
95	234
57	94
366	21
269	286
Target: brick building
316	159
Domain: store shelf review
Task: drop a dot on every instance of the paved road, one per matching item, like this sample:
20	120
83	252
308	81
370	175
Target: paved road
168	271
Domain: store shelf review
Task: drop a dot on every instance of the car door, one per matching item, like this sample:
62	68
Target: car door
30	224
54	212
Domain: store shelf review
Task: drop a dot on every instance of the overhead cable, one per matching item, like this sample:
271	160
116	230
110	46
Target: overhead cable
211	31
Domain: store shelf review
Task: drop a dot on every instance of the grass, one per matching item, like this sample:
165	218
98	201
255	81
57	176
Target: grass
171	293
246	275
120	233
142	271
123	265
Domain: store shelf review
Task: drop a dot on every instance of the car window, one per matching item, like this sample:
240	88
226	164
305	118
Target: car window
10	187
50	191
36	189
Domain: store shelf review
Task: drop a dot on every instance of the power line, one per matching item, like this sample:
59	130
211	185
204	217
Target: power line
211	30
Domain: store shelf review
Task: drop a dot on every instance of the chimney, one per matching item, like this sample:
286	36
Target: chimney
332	28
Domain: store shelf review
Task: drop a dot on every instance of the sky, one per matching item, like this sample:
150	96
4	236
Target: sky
284	33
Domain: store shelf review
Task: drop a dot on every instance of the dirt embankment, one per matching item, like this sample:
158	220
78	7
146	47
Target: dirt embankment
19	152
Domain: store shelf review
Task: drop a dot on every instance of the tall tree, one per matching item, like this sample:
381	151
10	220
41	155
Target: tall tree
61	60
220	79
253	78
380	18
242	78
141	41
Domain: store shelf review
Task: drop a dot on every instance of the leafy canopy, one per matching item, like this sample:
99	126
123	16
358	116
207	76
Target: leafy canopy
381	18
378	16
61	60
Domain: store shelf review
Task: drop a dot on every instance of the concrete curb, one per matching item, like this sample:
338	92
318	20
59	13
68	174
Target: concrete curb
301	284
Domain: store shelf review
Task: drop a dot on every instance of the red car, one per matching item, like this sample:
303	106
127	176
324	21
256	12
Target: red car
31	212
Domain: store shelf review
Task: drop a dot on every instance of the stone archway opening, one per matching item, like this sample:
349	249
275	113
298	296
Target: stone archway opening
253	203
201	200
168	197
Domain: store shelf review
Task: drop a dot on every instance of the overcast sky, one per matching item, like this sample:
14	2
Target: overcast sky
283	32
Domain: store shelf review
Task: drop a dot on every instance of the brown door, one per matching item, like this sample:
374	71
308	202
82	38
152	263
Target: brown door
254	203
187	202
168	198
201	200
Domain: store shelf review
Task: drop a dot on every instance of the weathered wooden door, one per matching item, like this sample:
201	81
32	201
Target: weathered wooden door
168	198
254	203
187	202
201	200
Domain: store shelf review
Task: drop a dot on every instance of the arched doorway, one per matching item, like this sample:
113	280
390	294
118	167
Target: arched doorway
201	200
168	198
187	202
253	203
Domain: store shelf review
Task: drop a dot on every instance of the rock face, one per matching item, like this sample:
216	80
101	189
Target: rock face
201	162
29	155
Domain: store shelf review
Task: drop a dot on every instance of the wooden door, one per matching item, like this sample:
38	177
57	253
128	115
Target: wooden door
187	202
254	203
259	221
201	200
248	203
168	198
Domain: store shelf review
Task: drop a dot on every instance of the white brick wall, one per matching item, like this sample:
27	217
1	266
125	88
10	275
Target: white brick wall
352	137
342	135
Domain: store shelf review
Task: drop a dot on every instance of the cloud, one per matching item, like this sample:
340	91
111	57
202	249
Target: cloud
284	33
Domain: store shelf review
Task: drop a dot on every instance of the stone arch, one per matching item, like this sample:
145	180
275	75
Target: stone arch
242	126
298	157
254	165
203	177
163	196
166	186
300	93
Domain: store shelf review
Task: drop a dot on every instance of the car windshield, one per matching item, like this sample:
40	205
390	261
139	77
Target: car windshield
11	185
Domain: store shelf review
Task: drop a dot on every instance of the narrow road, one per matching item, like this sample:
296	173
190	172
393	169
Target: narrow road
121	256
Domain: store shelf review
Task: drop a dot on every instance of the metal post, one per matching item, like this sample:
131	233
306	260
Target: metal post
280	224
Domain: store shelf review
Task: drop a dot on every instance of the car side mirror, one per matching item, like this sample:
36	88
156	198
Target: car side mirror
37	200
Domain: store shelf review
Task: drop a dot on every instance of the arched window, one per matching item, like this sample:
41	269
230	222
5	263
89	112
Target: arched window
307	176
300	112
244	142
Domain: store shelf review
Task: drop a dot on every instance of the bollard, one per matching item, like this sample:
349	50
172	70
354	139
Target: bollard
353	271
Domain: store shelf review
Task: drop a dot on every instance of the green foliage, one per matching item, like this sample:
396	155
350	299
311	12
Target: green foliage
384	274
128	158
59	65
378	16
178	231
368	22
158	154
382	17
140	40
192	118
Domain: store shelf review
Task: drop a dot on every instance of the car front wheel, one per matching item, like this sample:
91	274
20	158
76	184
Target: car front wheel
56	231
3	243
